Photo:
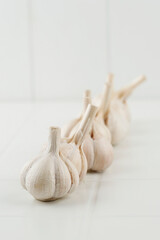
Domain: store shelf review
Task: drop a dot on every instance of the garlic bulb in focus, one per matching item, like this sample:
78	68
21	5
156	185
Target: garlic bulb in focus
50	176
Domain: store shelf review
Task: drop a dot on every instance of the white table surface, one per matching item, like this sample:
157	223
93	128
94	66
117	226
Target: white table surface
121	203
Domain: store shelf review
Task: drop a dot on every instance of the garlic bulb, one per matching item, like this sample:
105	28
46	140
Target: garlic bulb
97	143
50	175
72	147
60	165
97	147
117	116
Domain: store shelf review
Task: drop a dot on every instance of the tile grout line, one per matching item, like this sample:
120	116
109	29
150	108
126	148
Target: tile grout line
108	44
31	51
94	201
98	216
101	181
88	214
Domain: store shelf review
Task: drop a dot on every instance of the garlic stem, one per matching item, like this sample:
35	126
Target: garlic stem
106	97
85	124
54	140
126	91
86	100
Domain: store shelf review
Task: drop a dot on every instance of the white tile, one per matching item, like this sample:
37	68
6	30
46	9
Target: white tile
13	228
145	109
134	39
97	228
14	49
59	227
42	227
127	198
71	218
69	47
138	155
17	202
13	117
13	202
124	228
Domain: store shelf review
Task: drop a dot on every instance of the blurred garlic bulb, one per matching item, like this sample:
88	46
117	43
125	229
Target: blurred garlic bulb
125	92
118	120
117	116
50	175
97	143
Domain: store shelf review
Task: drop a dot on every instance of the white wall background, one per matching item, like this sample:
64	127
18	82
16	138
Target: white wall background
53	49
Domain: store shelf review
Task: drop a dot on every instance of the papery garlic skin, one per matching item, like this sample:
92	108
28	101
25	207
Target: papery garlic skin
88	149
103	155
118	120
25	170
97	147
50	176
72	148
73	173
41	180
84	163
76	156
70	151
